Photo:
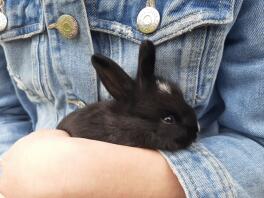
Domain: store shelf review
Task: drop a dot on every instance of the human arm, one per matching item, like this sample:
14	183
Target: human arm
73	167
212	166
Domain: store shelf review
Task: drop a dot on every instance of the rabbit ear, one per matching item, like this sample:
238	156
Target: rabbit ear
114	78
146	63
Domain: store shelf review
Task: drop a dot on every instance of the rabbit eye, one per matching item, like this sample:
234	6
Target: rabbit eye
170	119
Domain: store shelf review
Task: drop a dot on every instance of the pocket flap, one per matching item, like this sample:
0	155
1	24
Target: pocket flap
25	19
118	17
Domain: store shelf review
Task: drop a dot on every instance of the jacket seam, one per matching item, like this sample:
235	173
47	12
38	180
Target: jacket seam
165	37
220	171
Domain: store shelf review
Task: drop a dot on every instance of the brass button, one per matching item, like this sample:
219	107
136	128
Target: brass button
3	22
67	26
148	20
3	18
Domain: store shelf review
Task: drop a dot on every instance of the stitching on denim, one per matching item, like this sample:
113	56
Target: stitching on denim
22	27
116	34
111	46
165	36
227	183
182	177
211	64
18	80
35	66
197	83
84	12
191	59
212	162
11	73
220	21
217	165
213	74
107	21
195	62
213	61
37	28
189	28
66	83
190	179
158	41
210	68
203	21
208	157
12	34
47	86
39	86
120	50
114	23
182	18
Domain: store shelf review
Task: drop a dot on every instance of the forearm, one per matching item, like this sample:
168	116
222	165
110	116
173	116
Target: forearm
84	168
117	171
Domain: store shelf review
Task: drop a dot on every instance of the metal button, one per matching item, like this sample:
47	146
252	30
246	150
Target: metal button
148	20
66	25
3	18
3	22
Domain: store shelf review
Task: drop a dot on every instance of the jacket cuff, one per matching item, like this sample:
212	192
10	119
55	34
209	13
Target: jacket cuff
200	173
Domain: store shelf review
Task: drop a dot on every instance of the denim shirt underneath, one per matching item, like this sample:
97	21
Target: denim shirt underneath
212	49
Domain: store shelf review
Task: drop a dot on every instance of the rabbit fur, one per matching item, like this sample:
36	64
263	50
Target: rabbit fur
147	112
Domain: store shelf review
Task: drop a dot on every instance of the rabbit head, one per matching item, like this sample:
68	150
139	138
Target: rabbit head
146	112
156	103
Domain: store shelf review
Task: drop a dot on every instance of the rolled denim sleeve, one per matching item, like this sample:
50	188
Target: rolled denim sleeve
231	163
14	121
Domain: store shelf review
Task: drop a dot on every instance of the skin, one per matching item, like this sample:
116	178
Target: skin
52	164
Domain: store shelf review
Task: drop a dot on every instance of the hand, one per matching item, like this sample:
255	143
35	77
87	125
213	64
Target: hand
51	164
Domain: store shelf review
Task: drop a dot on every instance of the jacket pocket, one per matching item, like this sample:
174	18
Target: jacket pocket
25	19
26	48
119	17
189	41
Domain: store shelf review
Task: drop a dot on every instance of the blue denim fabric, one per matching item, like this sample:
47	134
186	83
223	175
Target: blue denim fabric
212	49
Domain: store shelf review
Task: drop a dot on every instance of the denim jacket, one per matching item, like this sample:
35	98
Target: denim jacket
213	49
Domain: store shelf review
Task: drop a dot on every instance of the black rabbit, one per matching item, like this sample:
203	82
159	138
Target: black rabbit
148	112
